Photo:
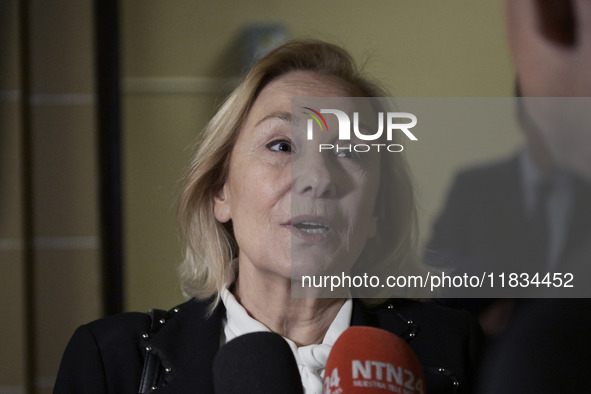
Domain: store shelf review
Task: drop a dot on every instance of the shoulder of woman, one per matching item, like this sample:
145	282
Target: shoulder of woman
103	355
448	342
426	321
423	311
133	325
117	325
109	352
432	310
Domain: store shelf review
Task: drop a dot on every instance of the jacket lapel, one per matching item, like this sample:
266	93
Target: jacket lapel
187	344
379	317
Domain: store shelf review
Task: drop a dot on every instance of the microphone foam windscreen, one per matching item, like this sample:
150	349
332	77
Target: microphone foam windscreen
369	360
259	362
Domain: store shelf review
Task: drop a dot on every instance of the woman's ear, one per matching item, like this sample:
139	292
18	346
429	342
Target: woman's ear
221	206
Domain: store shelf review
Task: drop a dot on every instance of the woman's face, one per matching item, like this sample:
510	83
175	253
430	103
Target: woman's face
291	207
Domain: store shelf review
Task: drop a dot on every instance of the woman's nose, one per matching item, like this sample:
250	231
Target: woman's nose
315	176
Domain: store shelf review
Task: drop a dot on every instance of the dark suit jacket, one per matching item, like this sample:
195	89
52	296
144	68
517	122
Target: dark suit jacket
535	355
484	226
107	356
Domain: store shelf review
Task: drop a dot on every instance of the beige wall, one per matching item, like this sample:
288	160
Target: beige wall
65	187
175	51
12	347
64	290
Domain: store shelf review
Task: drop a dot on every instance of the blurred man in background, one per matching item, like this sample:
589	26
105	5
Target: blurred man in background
532	211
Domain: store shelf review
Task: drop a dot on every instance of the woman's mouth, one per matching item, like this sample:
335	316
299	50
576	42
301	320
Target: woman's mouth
311	227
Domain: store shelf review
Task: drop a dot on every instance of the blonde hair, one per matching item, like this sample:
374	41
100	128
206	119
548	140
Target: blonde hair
210	246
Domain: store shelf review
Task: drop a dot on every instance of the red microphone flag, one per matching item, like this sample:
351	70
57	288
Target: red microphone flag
369	360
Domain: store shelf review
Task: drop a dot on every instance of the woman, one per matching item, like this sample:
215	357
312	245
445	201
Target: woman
253	193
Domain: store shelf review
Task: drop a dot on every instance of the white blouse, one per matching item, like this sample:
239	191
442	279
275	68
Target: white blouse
310	359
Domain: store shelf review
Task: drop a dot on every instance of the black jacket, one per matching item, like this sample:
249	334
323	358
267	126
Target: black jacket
107	356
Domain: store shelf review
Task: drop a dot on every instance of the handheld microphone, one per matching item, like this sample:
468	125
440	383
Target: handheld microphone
370	360
257	363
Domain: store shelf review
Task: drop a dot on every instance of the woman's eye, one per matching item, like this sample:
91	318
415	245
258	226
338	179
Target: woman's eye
279	146
345	154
